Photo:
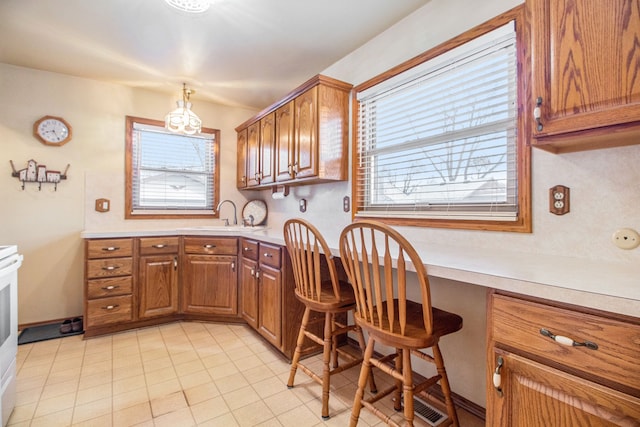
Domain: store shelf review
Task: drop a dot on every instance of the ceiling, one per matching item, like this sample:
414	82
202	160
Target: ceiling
247	53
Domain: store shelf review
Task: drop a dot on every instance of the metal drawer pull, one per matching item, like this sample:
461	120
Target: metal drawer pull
111	267
159	246
208	246
268	255
109	288
568	341
247	249
111	249
537	114
497	378
110	307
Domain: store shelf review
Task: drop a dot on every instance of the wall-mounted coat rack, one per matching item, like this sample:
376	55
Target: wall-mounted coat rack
38	174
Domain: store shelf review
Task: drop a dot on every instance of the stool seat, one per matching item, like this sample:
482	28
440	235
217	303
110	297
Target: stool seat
328	301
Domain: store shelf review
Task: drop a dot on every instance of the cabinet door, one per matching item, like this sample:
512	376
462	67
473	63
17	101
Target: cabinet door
249	292
210	285
267	148
585	64
241	168
158	285
284	149
537	395
269	297
306	134
253	154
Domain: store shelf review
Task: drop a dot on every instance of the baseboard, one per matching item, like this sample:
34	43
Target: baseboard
23	326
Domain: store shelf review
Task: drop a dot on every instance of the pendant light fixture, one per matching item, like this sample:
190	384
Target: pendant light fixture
182	119
190	6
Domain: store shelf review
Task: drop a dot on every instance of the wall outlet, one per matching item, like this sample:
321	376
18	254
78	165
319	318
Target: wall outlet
559	200
626	238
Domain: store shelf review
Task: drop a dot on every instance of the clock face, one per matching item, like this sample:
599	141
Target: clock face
52	130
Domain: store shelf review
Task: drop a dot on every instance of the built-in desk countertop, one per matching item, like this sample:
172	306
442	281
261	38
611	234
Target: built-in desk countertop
609	286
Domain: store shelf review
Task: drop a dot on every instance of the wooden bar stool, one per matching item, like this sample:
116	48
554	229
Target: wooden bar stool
377	260
320	290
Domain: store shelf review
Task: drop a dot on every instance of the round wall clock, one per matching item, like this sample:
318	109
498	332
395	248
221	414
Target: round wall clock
52	130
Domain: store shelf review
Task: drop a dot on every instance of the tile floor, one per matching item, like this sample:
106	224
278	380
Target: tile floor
178	374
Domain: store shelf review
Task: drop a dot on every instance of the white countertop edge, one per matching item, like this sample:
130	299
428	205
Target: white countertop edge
608	286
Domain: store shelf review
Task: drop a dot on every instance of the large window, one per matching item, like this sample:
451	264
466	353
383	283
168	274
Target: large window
170	175
439	141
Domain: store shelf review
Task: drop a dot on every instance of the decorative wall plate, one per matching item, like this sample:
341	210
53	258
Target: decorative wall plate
256	209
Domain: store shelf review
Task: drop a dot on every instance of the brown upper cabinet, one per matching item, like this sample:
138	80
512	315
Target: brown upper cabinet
585	73
301	139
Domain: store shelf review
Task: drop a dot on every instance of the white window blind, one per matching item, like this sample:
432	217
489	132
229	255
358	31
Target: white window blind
172	171
439	140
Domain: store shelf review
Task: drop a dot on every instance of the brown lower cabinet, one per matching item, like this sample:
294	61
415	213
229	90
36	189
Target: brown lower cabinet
135	282
533	379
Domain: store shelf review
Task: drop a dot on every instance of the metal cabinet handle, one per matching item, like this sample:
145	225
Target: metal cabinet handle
109	288
233	266
497	378
111	249
537	114
110	307
159	246
175	263
268	255
247	249
111	267
568	341
252	272
208	246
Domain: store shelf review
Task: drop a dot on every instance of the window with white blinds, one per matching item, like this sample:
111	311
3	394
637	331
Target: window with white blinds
171	173
439	140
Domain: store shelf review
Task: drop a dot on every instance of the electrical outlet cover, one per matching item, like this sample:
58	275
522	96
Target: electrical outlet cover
626	238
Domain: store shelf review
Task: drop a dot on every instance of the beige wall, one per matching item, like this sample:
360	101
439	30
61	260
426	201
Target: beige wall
46	224
605	184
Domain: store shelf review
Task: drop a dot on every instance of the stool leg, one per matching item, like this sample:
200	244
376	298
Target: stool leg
444	384
372	382
362	380
397	404
334	343
407	386
298	350
326	360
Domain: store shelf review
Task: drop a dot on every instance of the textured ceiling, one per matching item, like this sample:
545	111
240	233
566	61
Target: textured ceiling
240	52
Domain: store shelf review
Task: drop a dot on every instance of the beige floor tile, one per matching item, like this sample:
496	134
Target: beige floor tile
130	398
92	380
127	384
124	372
163	389
215	359
226	420
189	367
181	418
169	403
300	416
22	413
92	410
53	390
55	404
252	414
56	377
194	379
160	375
92	394
209	409
132	415
223	370
230	383
268	387
240	397
100	421
282	402
201	393
157	363
56	419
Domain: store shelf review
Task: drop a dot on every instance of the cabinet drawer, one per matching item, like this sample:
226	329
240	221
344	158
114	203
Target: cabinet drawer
158	245
270	255
249	249
211	245
112	286
104	311
111	267
109	248
517	324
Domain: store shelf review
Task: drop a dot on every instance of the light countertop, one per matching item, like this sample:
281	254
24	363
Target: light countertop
609	286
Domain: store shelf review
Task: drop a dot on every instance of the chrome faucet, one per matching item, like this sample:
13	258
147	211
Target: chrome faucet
235	217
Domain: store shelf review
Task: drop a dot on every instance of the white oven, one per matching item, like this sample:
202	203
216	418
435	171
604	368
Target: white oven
10	261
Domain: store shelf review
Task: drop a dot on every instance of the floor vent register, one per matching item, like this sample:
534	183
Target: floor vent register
428	413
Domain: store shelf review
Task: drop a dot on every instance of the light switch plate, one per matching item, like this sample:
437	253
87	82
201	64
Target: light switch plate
103	205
